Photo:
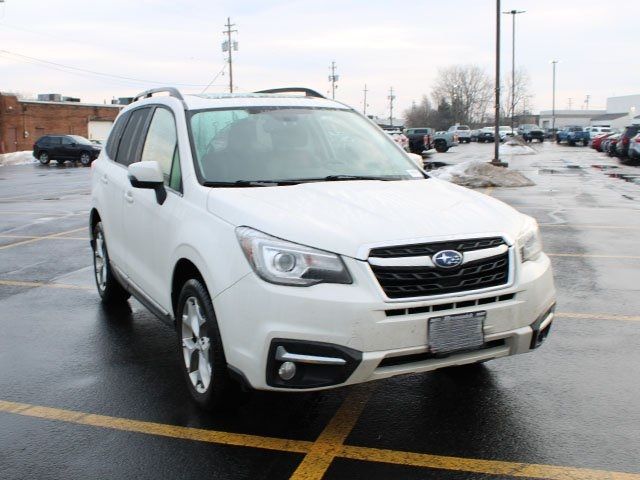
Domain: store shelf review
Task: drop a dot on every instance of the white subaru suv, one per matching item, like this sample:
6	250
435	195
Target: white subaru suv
296	247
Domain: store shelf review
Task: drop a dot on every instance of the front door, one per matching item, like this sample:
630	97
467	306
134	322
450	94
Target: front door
149	226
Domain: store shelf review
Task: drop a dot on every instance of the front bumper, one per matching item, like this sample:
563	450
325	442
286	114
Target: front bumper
254	315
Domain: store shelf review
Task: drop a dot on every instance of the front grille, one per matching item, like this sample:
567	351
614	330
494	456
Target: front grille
404	282
422	249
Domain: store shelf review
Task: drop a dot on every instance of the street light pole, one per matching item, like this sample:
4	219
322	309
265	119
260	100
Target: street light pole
496	131
513	14
553	101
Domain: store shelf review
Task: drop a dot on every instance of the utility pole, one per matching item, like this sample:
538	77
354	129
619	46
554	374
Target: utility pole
586	101
364	103
391	98
229	46
496	131
553	102
570	101
513	14
333	78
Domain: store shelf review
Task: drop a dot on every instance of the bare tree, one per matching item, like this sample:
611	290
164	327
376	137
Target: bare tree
467	89
522	94
421	115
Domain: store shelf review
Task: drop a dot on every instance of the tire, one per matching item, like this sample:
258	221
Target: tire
571	143
585	142
109	288
542	140
441	147
201	353
85	159
43	157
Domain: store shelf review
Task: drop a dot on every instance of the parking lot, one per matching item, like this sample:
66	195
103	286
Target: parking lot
87	392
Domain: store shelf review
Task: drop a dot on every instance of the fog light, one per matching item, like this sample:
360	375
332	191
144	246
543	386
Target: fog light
287	370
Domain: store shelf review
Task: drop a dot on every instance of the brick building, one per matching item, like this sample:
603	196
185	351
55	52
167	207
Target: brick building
22	122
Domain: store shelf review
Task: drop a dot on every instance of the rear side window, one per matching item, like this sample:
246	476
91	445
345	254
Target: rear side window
53	140
161	145
129	147
116	134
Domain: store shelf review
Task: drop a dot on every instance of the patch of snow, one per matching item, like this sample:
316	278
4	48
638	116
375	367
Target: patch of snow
515	146
477	174
17	158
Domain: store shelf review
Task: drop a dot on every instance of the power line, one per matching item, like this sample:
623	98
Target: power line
101	74
213	79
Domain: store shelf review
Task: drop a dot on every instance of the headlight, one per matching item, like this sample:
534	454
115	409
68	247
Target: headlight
287	263
529	241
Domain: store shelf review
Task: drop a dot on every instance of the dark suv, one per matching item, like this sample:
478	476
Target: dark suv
622	147
65	147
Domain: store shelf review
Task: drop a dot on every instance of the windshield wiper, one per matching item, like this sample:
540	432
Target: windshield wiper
249	183
335	178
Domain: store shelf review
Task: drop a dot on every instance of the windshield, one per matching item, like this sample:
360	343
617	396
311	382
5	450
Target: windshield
261	144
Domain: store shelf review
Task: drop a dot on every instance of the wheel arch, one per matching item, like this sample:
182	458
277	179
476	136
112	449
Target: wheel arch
183	271
94	218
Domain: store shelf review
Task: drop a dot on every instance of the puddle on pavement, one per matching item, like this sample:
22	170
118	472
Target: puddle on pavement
605	167
568	170
627	177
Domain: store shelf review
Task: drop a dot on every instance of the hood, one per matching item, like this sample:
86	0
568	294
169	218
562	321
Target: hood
344	217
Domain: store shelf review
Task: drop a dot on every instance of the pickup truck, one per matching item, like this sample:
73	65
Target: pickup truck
530	132
425	138
573	135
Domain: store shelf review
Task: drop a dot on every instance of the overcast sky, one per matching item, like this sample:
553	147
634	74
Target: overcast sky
292	43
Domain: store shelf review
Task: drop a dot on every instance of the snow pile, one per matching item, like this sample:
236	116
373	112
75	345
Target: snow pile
478	174
17	158
515	146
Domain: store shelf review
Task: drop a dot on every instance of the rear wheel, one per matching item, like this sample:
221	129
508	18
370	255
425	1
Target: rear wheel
43	157
203	361
109	288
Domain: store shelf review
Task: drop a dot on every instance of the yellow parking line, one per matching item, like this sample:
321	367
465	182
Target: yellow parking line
589	255
336	432
31	240
599	316
160	429
487	467
16	283
328	444
43	237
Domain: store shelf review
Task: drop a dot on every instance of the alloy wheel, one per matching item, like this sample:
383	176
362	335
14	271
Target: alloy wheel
196	345
100	262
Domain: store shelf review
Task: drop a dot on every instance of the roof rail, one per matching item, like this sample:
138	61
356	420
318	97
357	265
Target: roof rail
307	91
173	92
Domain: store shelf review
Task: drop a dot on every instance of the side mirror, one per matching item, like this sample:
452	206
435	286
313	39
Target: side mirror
148	175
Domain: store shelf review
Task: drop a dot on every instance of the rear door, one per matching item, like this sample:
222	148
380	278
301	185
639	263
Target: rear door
122	152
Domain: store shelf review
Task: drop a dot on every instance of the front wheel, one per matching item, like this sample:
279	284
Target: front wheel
109	289
203	361
85	159
441	147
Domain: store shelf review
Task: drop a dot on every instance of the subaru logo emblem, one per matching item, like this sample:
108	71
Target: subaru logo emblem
447	259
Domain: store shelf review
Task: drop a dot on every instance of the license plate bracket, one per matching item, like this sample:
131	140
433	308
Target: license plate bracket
451	333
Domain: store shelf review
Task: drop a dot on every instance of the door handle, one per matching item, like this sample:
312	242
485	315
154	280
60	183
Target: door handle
104	179
128	196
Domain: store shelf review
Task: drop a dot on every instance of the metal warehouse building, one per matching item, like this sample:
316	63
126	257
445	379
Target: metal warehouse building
22	122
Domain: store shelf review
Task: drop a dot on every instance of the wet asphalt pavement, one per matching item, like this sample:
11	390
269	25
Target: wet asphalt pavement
116	406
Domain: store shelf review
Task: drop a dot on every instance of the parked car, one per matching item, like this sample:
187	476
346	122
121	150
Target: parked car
462	131
595	131
634	148
487	134
419	139
596	143
474	135
622	147
609	144
530	132
573	135
283	273
442	141
65	147
400	138
505	131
